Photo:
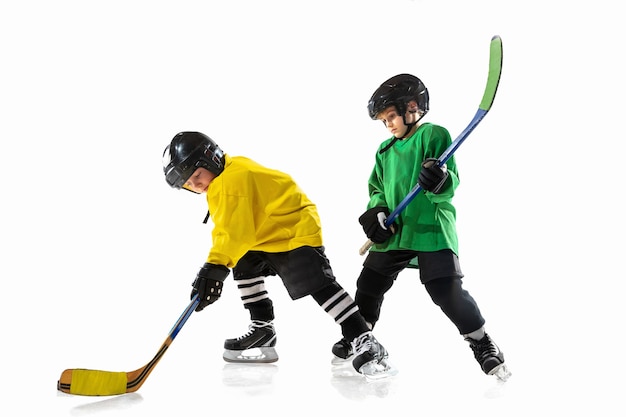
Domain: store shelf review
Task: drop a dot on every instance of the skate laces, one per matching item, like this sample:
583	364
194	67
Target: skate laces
362	343
483	348
256	324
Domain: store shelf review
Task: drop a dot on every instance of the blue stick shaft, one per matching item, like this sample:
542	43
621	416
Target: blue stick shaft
447	154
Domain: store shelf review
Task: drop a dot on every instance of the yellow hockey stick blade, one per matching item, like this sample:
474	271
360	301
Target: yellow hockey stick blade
92	382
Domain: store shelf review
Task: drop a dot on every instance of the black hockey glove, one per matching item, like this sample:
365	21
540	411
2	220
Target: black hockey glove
208	284
373	222
432	177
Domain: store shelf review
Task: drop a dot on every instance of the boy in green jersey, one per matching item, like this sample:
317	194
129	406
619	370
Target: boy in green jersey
424	234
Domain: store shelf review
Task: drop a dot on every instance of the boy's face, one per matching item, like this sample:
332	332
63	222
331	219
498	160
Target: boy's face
394	121
200	180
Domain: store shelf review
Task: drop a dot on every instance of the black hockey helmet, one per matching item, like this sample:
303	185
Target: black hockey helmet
398	91
187	152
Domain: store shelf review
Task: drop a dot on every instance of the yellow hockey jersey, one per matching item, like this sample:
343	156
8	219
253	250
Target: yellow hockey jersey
255	208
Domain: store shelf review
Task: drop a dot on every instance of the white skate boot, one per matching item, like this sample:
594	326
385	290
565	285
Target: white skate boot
256	346
371	358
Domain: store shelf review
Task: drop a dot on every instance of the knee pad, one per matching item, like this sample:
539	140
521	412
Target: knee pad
444	291
372	283
370	293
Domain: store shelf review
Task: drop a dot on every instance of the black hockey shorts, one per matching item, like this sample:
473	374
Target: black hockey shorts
432	265
303	270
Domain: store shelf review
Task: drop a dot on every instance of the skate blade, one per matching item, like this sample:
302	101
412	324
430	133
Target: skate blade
376	371
501	372
253	355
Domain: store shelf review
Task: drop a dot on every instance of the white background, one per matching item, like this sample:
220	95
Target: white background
99	253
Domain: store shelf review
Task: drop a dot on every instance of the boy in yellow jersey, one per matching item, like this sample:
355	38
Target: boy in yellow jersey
264	225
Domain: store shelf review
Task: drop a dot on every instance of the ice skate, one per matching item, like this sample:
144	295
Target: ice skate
256	346
371	358
342	352
489	357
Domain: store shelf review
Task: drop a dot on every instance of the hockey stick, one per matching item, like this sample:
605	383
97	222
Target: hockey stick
493	79
93	382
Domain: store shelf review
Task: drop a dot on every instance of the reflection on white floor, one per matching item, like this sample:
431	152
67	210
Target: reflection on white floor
251	379
114	405
257	380
347	382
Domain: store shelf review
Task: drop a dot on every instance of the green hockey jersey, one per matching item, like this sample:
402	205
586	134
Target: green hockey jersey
428	223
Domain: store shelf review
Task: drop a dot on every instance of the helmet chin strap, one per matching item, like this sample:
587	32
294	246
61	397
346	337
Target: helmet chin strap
409	126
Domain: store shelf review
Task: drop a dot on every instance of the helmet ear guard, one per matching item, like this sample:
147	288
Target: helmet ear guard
216	157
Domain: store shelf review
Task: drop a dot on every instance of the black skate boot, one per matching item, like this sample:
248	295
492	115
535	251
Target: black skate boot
489	357
256	346
342	351
371	358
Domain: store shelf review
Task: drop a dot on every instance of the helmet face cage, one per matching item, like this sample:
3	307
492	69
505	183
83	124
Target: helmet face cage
398	91
187	152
